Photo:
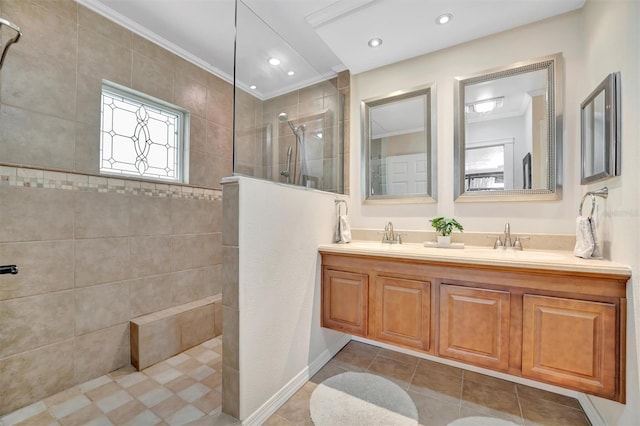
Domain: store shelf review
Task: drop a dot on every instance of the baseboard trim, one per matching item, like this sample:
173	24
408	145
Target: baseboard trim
267	409
590	410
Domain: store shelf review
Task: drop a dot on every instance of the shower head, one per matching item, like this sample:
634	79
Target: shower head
284	117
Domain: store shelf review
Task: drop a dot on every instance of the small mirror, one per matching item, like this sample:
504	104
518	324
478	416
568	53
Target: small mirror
507	132
398	147
599	131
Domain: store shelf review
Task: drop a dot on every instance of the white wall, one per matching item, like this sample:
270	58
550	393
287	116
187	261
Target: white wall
612	43
280	228
602	37
560	34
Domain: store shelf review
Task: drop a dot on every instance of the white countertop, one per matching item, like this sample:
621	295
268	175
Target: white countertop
540	259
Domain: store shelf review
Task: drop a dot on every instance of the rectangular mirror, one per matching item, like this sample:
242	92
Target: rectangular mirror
600	131
508	132
398	147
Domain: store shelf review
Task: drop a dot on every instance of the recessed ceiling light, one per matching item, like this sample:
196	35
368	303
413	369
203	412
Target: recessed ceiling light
375	42
274	61
319	135
291	73
444	19
253	87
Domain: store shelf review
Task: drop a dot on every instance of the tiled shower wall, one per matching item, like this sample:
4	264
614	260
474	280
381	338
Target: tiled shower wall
94	252
316	106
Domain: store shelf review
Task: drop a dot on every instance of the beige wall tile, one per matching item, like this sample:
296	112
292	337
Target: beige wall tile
102	260
30	376
100	57
44	267
230	391
187	252
105	27
213	248
231	337
197	133
150	215
191	95
230	211
31	322
154	78
219	108
199	164
150	294
212	280
102	215
29	137
101	306
87	151
188	286
157	341
191	216
152	255
192	71
29	80
230	271
196	326
220	140
102	351
218	321
33	214
152	51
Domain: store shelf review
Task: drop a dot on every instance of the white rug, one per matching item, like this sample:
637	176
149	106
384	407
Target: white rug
481	421
359	399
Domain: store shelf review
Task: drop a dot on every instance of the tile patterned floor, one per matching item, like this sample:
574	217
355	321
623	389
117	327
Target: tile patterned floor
441	393
181	390
186	390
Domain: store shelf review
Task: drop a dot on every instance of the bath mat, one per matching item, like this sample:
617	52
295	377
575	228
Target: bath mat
481	421
357	399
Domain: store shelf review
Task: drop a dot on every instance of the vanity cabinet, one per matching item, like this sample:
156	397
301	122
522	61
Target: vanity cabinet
402	311
558	326
345	301
570	342
474	326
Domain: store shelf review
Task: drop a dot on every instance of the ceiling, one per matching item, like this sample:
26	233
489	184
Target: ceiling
315	38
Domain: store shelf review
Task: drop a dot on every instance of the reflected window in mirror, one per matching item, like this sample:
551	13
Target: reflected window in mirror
398	147
507	132
600	131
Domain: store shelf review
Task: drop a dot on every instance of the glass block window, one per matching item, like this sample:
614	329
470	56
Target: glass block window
142	136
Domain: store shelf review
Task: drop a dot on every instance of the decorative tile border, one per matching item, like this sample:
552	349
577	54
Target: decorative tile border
38	178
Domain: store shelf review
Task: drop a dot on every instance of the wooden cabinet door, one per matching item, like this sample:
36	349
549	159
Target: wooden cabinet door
474	326
402	312
345	301
570	343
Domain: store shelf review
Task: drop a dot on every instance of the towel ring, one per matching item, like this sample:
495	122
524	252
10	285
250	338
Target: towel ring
346	206
602	192
593	204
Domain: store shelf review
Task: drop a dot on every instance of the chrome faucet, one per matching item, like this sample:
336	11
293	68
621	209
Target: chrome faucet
507	244
390	236
507	236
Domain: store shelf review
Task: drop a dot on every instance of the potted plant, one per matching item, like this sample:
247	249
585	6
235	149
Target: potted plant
444	227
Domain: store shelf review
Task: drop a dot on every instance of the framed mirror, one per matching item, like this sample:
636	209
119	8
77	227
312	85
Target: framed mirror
398	147
507	135
600	131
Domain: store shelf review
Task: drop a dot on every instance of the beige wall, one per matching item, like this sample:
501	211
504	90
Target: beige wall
94	252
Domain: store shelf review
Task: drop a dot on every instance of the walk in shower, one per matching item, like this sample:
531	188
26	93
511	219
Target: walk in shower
289	116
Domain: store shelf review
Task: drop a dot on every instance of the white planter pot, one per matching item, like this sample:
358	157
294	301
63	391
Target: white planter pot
444	240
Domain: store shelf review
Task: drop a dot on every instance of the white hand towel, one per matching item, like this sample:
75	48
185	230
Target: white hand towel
585	243
596	244
344	230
